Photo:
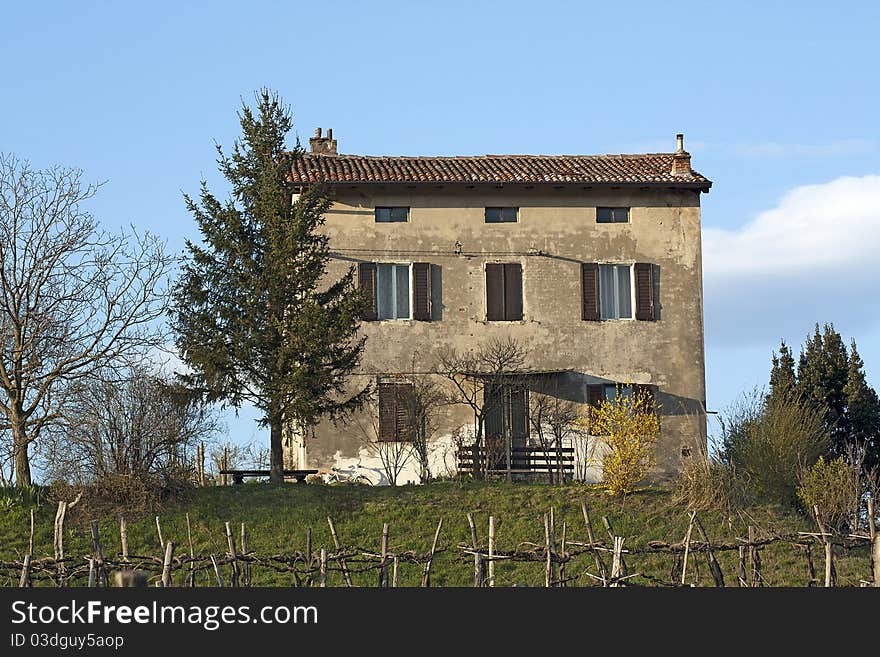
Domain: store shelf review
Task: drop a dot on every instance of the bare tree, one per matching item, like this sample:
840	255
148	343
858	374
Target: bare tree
141	425
497	362
554	422
74	299
394	452
424	406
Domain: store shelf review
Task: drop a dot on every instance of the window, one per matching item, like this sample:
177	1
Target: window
396	291
598	393
396	411
504	300
615	292
611	390
392	291
501	215
612	215
392	215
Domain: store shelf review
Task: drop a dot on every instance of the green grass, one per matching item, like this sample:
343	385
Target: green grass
278	519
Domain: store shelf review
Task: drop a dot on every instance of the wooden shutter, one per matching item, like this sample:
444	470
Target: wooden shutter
367	282
404	421
590	291
513	294
494	292
644	291
421	273
387	411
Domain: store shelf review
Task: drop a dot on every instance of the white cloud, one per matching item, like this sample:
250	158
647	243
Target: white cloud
806	260
832	225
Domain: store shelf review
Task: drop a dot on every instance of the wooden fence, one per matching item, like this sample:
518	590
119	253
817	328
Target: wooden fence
563	559
531	460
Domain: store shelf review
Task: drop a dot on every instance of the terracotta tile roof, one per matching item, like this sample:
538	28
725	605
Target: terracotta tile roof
647	169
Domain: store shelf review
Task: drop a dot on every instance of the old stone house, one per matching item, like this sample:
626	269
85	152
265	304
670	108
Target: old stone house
592	263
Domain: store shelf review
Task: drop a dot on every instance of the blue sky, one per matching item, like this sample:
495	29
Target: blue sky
778	102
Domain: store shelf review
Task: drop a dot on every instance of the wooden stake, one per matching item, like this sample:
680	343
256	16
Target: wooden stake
687	546
548	567
58	541
610	531
159	532
394	572
91	583
244	550
742	566
491	550
617	560
99	554
478	560
426	578
217	571
192	552
322	582
341	560
383	571
875	554
166	564
25	579
562	552
31	539
872	526
811	569
829	552
123	538
600	565
753	563
714	566
230	544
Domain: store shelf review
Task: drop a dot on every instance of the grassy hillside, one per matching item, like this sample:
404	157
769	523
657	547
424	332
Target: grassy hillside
278	518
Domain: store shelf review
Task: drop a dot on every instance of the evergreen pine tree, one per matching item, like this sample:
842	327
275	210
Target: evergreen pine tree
254	315
782	376
821	377
863	410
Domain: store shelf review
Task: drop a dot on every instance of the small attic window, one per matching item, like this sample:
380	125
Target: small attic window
392	215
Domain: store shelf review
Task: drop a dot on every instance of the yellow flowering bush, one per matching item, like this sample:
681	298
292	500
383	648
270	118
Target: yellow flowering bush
626	428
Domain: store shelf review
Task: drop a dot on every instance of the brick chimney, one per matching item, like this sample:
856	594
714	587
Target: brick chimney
319	145
681	160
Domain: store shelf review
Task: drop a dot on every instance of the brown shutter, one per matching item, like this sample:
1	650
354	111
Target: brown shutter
590	291
644	291
513	294
367	282
404	399
387	411
494	292
421	273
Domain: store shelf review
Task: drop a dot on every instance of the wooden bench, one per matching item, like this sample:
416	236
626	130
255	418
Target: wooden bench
239	475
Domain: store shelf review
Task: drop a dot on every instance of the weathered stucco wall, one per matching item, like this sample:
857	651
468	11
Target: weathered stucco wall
556	232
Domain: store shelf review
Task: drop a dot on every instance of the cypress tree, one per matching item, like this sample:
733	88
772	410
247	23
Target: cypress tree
821	377
863	410
254	315
782	375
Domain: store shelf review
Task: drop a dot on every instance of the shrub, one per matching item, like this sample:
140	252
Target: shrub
769	442
833	487
626	429
706	482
